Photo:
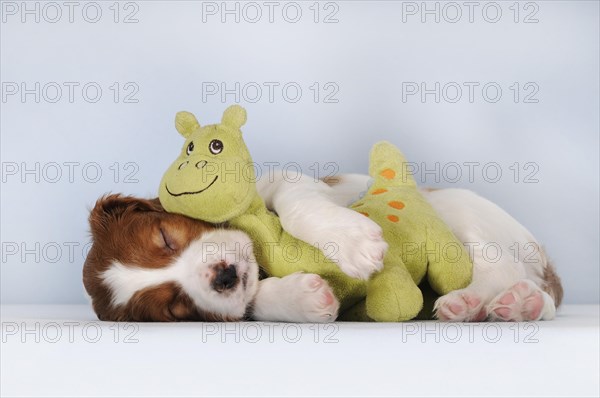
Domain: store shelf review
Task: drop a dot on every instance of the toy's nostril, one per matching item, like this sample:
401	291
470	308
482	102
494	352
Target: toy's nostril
182	165
201	164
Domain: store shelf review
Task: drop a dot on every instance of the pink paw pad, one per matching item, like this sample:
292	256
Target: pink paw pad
533	306
503	313
521	302
472	301
507	299
327	298
315	283
458	307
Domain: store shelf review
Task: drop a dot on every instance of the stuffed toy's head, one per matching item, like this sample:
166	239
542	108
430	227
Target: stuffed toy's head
213	178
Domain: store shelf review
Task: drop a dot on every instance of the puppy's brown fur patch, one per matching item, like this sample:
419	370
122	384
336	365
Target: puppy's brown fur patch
139	232
552	284
332	180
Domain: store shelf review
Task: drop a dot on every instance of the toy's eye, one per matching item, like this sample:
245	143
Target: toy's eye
190	147
215	147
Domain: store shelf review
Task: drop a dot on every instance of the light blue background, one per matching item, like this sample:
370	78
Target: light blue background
367	54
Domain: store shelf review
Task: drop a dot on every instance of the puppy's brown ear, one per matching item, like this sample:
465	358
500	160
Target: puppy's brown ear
156	202
117	204
152	304
113	206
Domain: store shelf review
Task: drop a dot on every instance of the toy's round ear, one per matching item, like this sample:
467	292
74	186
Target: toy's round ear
234	116
186	123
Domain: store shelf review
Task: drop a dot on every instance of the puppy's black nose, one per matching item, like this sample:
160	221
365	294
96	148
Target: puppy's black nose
225	277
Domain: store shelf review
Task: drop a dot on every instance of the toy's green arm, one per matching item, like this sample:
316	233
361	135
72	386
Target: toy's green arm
450	267
280	254
392	295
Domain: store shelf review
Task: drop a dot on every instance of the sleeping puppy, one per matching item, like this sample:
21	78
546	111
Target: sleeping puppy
149	265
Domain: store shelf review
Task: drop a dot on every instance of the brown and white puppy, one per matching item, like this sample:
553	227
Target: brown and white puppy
149	265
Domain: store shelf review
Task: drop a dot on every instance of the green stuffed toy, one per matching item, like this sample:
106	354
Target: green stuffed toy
419	242
213	180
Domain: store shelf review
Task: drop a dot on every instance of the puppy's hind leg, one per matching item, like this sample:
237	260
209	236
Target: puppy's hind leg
471	303
533	298
525	301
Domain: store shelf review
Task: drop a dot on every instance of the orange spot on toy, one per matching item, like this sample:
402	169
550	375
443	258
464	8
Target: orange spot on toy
388	173
378	191
364	214
396	205
393	218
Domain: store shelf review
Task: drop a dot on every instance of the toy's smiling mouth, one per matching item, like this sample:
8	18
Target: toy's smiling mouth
191	193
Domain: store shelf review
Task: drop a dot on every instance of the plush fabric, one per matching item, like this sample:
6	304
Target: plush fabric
213	180
420	243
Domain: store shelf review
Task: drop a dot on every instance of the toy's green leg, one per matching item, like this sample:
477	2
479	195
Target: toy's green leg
392	295
450	267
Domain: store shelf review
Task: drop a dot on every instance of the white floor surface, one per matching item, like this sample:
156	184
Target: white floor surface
65	351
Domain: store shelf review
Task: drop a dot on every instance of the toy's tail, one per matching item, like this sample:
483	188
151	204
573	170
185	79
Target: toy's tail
387	162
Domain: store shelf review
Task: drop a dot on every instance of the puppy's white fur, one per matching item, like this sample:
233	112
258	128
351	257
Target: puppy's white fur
191	270
503	251
311	211
508	262
294	298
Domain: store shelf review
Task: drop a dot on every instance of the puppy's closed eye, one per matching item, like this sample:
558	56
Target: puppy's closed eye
171	237
167	239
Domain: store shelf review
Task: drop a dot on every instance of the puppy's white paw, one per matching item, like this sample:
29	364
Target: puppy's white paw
460	306
524	301
353	241
312	300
